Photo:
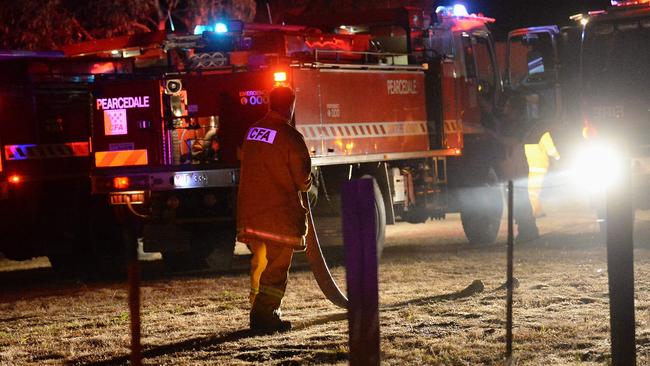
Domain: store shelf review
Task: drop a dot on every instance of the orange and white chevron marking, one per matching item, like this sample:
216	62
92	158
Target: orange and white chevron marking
105	159
46	151
333	131
453	126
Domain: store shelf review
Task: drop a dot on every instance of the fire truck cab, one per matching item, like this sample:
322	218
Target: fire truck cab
603	100
388	95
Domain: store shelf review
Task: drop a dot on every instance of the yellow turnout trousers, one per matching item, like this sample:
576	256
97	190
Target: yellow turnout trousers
269	269
538	162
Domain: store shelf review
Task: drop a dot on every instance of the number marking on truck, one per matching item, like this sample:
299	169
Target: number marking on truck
190	180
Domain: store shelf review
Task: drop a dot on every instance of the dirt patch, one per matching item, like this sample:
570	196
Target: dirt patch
442	303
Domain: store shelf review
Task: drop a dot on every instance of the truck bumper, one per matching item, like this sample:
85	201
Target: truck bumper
165	181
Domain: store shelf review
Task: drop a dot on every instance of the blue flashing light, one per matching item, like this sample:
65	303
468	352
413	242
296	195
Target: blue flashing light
221	28
199	29
457	10
460	10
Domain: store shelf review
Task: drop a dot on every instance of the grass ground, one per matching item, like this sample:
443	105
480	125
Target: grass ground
429	312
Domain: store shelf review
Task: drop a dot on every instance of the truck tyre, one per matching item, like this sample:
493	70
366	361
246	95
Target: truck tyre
415	215
211	247
98	252
380	216
481	209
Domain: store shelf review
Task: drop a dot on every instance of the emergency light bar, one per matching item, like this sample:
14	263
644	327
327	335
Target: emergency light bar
233	26
460	11
629	2
199	29
220	28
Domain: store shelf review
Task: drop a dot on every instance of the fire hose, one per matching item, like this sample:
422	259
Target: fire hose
319	266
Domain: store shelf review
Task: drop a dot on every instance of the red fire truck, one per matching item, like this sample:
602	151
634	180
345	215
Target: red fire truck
388	95
382	96
45	196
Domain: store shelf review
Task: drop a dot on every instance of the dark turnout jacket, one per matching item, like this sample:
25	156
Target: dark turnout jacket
275	168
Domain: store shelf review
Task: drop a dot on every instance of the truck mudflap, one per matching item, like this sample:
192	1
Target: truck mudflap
115	183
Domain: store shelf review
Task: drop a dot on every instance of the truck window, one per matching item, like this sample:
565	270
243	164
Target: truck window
485	63
531	58
468	52
439	43
616	58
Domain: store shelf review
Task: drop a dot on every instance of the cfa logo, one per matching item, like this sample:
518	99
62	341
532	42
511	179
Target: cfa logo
261	134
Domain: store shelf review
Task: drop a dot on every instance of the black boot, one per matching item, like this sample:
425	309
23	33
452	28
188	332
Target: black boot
265	315
527	233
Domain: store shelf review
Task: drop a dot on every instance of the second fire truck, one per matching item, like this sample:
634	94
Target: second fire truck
592	79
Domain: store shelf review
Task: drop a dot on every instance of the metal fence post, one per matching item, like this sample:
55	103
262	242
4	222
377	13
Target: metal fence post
509	270
133	273
359	233
620	270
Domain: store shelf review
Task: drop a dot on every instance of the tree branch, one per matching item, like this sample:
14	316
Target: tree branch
141	26
81	29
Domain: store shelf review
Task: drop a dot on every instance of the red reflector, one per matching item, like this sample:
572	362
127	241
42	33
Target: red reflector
15	179
121	182
588	130
280	76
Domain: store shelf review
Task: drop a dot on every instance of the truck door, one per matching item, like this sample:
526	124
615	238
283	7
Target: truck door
483	83
532	70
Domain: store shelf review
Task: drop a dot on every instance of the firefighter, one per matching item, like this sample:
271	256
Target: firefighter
512	134
271	218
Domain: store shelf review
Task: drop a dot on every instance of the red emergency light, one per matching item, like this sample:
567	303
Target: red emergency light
280	77
15	179
121	182
588	130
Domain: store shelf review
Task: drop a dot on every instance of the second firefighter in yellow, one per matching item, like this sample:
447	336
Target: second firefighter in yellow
271	217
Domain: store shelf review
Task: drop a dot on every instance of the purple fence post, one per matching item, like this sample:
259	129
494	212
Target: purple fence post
133	277
360	241
620	269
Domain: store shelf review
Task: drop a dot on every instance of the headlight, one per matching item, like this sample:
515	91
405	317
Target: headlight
597	166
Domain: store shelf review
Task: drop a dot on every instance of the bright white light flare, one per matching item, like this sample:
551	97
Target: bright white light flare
597	167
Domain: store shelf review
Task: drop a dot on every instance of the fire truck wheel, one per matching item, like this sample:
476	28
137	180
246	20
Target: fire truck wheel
415	215
481	209
380	216
91	257
210	247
